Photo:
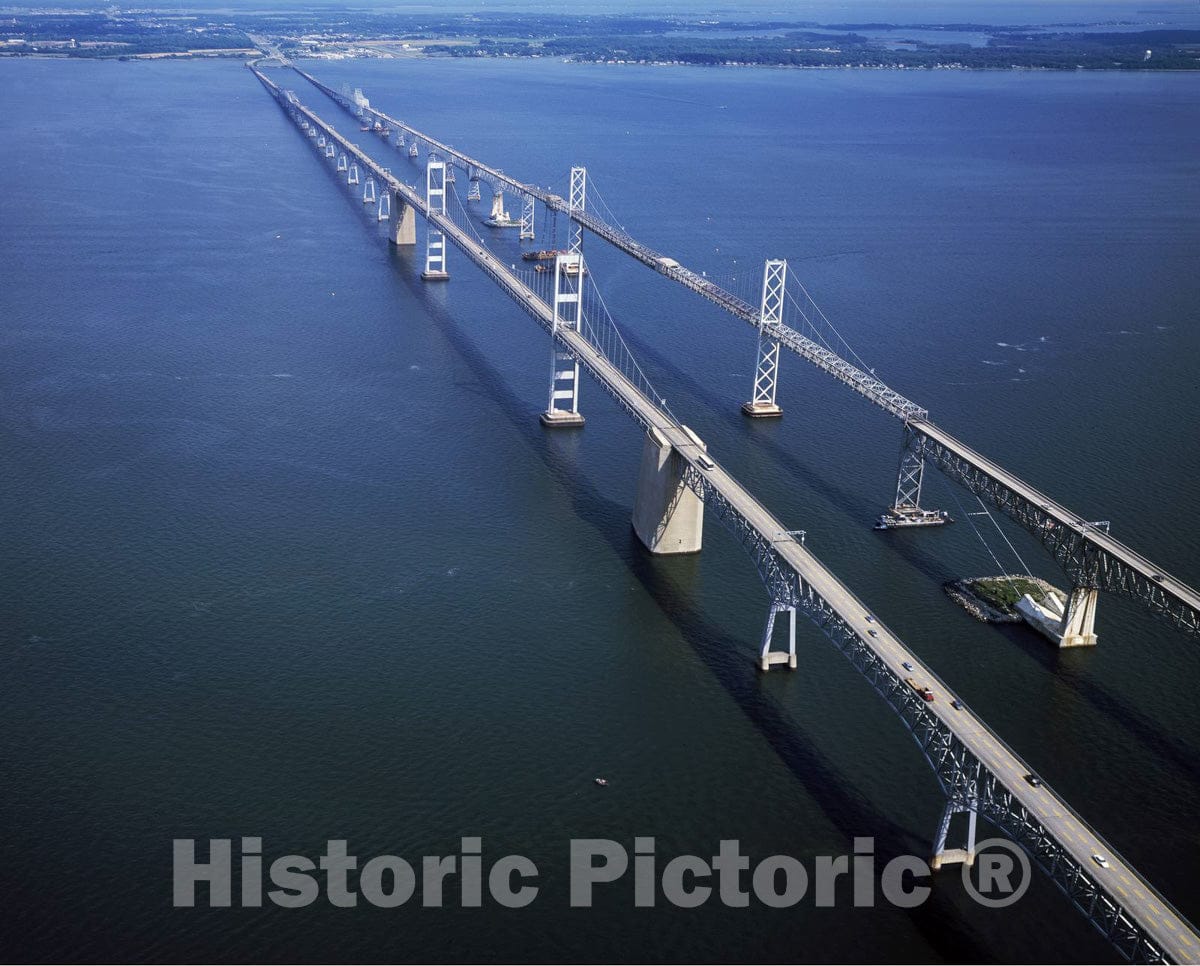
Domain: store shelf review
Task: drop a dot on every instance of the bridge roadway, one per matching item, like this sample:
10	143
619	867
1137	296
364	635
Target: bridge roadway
971	762
1086	551
1092	557
818	355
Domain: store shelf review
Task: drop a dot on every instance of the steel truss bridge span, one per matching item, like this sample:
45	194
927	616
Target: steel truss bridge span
1091	557
977	772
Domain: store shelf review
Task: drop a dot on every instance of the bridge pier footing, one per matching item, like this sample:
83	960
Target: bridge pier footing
944	856
561	419
667	516
769	658
761	410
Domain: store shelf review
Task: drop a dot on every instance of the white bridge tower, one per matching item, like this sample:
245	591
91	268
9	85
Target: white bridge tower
563	409
435	240
770	318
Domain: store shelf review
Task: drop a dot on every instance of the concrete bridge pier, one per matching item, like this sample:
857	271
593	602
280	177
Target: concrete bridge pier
667	516
944	856
768	658
1078	628
404	232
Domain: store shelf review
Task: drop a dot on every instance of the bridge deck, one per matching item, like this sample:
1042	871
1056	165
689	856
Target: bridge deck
1183	599
1170	595
1132	895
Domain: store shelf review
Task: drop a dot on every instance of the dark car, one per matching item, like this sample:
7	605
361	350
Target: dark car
1033	780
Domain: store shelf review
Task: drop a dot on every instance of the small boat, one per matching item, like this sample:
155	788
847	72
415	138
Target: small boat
602	782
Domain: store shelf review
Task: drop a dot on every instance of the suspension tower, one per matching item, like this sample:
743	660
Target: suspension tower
576	204
527	213
563	409
435	240
766	372
906	511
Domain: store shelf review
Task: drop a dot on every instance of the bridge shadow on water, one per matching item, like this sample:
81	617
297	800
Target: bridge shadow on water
1065	665
856	511
911	548
728	658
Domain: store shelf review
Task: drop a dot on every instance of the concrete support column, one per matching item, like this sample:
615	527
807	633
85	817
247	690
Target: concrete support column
405	230
1078	628
667	516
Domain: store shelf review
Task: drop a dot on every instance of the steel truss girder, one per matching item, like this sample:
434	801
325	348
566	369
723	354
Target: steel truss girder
965	781
830	362
861	382
1087	563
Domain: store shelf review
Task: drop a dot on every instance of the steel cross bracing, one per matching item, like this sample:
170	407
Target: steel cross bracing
955	747
825	359
967	783
770	319
1085	551
1115	566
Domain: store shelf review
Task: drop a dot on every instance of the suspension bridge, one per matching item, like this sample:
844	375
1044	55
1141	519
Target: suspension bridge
1092	558
678	480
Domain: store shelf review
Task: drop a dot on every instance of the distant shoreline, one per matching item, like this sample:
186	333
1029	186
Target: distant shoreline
245	55
610	39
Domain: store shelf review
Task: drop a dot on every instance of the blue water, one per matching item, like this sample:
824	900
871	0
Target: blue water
286	552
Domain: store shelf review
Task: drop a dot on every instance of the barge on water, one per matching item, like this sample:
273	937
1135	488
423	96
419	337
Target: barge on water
898	517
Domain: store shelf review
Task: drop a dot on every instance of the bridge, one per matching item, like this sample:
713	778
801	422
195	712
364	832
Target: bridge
678	479
1092	558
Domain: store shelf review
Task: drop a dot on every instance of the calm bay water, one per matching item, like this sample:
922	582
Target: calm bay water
286	552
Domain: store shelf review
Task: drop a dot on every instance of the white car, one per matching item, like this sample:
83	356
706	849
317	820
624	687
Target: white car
1100	860
906	666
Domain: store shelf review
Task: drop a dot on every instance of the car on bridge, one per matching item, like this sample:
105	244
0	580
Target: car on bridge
1033	780
1100	860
